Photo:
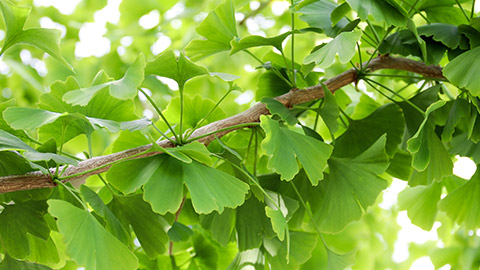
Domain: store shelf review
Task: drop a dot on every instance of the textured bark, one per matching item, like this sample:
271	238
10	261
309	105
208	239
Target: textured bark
295	96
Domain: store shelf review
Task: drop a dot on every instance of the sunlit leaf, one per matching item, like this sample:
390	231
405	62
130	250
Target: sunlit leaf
318	13
219	28
301	247
285	146
276	107
352	185
10	142
329	111
388	11
9	263
99	249
343	45
124	88
463	71
421	204
340	261
253	258
256	41
279	224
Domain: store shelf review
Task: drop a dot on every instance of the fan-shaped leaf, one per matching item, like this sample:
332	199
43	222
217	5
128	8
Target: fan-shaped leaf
283	145
464	69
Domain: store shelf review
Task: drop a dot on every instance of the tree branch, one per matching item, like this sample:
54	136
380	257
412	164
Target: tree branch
295	96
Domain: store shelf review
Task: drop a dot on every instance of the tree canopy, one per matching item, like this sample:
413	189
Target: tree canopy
237	134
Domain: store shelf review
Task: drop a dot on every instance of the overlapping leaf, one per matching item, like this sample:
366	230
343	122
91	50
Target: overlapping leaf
18	220
343	45
352	185
463	71
461	205
180	70
124	88
45	39
99	249
387	11
285	146
429	154
421	204
318	14
219	28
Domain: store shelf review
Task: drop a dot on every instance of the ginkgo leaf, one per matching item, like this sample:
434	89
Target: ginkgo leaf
276	107
463	71
179	232
301	247
219	28
251	257
364	132
149	227
256	41
461	205
113	225
18	220
11	142
318	14
429	154
45	39
124	88
285	146
421	204
37	156
446	33
382	10
164	177
340	261
352	185
279	224
329	111
99	249
8	263
28	118
179	69
343	45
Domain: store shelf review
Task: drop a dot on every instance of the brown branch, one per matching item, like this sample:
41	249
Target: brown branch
39	180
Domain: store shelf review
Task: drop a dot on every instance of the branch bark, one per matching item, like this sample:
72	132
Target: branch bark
295	96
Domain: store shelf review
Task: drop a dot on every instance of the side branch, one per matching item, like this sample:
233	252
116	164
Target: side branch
88	167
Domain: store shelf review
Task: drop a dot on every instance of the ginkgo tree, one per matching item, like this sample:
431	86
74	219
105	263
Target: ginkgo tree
238	134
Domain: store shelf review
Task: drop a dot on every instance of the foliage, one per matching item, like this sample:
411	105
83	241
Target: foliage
297	188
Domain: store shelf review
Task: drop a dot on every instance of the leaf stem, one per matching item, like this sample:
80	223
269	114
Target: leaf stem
114	193
220	130
255	153
163	134
294	77
396	94
57	181
154	105
181	116
472	13
379	43
463	11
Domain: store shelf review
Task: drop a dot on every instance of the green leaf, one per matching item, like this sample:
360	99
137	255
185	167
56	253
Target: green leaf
149	227
113	225
276	107
181	70
329	111
279	224
460	111
124	88
5	127
219	28
45	39
252	258
271	85
427	149
10	142
257	41
12	163
283	145
197	107
421	43
28	118
44	252
421	204
461	205
99	249
220	225
9	263
388	11
318	14
301	247
364	132
19	219
339	12
445	33
352	185
340	261
343	45
251	225
179	232
463	71
37	156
